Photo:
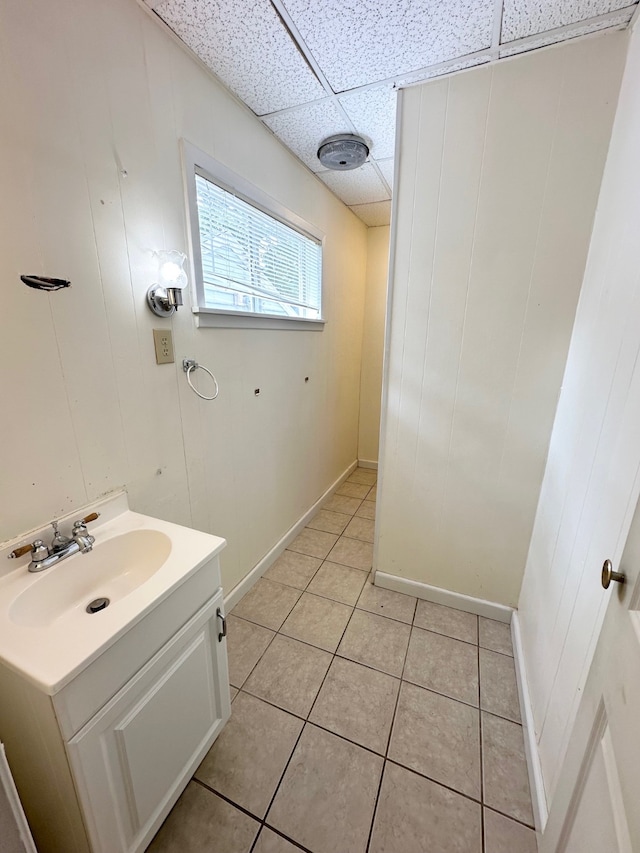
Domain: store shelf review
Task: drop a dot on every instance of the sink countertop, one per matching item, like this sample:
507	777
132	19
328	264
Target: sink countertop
51	655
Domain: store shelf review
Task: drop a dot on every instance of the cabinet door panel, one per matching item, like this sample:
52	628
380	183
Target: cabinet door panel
166	727
133	759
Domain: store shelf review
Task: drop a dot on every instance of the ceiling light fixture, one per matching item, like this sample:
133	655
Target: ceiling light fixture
343	151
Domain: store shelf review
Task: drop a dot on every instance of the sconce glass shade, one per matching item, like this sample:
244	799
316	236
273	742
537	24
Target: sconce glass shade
165	295
170	271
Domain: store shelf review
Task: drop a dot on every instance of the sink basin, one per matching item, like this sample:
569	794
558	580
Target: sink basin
137	562
111	570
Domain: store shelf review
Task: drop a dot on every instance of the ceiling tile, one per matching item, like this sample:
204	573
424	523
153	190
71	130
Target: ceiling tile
358	186
303	130
386	167
356	42
250	50
377	213
583	30
522	18
373	113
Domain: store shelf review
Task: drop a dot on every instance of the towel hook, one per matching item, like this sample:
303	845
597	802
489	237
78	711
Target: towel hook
190	364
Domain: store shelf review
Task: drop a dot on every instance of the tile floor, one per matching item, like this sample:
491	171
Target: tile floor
363	720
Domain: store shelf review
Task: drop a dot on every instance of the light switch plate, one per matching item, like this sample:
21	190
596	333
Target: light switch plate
163	342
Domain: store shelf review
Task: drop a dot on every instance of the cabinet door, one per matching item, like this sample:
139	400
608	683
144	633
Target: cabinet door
133	759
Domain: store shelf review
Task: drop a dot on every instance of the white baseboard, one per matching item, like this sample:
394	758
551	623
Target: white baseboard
368	463
490	609
242	588
536	781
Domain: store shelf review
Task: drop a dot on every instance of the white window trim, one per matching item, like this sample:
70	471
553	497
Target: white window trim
195	159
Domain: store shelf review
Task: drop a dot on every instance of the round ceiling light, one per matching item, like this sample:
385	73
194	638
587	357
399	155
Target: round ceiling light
343	151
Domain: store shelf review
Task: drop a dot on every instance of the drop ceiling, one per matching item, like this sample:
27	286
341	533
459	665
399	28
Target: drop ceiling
311	69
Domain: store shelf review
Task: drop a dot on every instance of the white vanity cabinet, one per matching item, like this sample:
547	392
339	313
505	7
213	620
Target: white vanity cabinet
131	761
100	763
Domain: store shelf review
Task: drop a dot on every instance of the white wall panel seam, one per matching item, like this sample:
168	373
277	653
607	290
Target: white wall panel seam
444	494
386	354
534	258
431	288
404	312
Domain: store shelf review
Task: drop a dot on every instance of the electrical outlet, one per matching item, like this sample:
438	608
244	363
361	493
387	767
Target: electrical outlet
163	342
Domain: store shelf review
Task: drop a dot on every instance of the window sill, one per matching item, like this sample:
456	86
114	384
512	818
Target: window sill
208	318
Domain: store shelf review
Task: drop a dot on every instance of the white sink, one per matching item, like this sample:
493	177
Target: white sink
46	633
111	570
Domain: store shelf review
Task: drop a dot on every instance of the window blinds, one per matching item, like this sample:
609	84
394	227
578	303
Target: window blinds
252	262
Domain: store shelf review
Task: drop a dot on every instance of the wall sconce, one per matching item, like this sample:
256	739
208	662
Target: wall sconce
165	295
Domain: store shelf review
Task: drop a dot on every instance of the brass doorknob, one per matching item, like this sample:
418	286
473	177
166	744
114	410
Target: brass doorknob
609	575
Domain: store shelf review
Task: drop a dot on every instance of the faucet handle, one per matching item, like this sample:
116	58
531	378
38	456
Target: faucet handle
81	525
21	551
37	549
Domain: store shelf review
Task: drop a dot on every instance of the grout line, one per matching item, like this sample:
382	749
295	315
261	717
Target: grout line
511	817
306	723
286	837
440	634
455	699
226	799
259	658
272	704
482	836
391	727
277	788
375	805
435	781
304	643
333	657
496	652
382	615
344	737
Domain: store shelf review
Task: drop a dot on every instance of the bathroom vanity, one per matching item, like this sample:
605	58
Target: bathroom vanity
106	715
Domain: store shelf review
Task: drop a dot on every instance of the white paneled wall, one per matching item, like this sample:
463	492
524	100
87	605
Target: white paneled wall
497	180
373	342
94	100
592	478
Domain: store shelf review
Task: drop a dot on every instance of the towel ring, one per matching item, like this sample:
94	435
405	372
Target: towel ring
189	364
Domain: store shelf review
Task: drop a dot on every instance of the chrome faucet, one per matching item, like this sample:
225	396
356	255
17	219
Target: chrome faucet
80	542
59	542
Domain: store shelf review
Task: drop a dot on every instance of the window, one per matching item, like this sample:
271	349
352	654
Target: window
255	263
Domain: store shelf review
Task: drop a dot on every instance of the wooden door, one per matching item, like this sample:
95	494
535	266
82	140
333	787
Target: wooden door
597	805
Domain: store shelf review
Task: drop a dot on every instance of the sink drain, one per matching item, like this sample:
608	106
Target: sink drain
97	605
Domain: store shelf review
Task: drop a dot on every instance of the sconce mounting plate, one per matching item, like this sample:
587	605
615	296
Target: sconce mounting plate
158	302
